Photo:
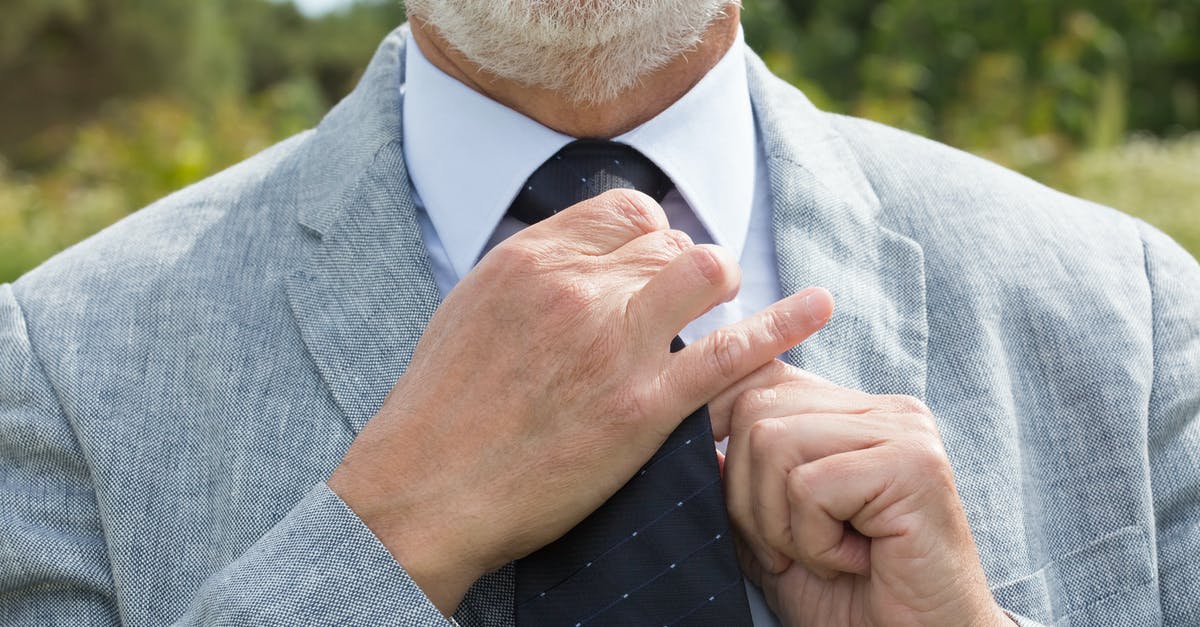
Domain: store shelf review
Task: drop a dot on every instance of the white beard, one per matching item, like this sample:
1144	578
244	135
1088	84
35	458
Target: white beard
589	51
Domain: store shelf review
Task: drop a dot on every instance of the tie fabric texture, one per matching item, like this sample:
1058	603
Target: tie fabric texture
659	551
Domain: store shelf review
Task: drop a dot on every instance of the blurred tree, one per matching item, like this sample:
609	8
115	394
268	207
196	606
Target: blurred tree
962	69
106	105
62	60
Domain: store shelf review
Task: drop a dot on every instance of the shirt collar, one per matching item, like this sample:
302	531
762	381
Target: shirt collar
468	155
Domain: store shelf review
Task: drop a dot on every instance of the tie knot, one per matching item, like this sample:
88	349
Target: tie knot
583	169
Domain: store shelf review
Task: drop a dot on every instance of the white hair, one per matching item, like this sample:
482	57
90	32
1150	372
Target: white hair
589	51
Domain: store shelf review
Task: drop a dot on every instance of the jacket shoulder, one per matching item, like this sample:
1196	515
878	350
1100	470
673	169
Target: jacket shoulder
918	176
969	213
232	213
206	255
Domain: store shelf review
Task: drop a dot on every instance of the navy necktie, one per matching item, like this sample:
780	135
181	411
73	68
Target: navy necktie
659	551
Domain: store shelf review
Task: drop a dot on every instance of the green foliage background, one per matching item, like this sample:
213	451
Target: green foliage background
109	104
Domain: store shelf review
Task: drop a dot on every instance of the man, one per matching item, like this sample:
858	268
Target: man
246	405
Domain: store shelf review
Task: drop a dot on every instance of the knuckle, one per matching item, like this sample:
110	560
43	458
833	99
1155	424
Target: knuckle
708	265
568	298
780	373
752	404
915	417
903	404
726	352
800	483
667	245
927	457
715	267
676	240
638	209
512	256
926	425
778	325
763	435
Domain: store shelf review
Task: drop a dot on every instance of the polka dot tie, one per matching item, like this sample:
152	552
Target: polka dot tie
659	551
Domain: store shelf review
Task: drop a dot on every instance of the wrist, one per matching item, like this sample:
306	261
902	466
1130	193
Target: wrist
991	614
425	550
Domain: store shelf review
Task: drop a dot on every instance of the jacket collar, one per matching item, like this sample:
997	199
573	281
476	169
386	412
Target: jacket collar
366	294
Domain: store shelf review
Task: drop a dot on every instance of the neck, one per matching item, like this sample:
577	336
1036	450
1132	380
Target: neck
654	93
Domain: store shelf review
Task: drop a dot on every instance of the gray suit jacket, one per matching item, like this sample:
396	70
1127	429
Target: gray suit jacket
174	390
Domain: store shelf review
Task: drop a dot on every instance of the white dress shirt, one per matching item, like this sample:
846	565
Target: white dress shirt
468	156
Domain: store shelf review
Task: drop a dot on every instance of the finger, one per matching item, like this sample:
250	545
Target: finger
769	583
824	495
820	435
738	496
809	394
774	447
746	560
696	280
755	573
778	389
773	454
808	437
701	371
739	503
720	408
599	225
648	254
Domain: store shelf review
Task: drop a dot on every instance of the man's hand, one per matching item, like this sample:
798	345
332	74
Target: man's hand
542	383
845	505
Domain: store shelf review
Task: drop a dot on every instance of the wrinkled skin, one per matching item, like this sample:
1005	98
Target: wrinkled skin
845	505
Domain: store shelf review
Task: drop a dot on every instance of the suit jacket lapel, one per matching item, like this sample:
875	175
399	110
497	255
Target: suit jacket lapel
827	233
366	294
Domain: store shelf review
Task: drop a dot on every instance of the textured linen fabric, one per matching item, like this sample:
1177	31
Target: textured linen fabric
174	390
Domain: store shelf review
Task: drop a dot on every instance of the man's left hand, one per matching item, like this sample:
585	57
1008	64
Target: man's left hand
845	506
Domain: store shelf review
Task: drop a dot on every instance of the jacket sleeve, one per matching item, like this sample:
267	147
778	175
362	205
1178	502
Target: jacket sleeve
53	559
319	565
1174	424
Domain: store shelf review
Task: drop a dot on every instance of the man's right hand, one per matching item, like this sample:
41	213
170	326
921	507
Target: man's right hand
541	385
